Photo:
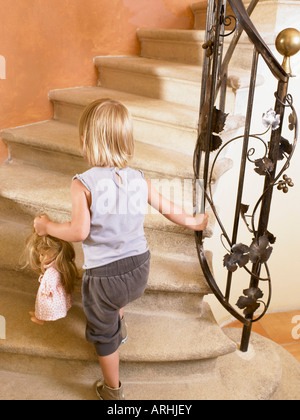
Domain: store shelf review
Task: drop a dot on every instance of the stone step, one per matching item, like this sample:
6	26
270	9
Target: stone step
199	10
65	338
26	377
181	277
30	191
52	386
168	249
175	265
165	80
55	146
272	374
180	45
166	292
157	122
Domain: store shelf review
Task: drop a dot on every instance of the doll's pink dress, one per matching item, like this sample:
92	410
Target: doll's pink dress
52	301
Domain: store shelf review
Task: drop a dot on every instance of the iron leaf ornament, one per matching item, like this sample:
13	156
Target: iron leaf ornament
249	302
239	257
259	251
292	121
244	211
218	124
285	147
219	120
270	118
264	166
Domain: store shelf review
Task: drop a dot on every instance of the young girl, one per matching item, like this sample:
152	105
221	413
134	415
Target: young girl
54	260
109	204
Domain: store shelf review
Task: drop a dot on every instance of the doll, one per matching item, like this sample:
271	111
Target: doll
54	260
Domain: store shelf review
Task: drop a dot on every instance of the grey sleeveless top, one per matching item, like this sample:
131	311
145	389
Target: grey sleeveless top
117	215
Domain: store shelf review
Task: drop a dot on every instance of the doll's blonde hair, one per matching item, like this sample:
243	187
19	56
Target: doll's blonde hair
63	253
106	134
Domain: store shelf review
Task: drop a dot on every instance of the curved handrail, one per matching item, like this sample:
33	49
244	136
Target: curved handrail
242	16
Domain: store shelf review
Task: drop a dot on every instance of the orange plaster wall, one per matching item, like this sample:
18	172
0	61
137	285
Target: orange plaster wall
50	44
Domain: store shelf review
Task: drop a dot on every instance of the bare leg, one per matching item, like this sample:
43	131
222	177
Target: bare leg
110	369
121	313
36	321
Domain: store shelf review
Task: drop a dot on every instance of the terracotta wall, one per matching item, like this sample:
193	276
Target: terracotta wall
50	44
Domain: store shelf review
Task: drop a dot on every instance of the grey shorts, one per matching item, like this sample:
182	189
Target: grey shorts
107	289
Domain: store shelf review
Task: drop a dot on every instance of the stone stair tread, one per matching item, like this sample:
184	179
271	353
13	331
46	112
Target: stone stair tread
155	121
178	45
149	66
65	338
174	337
33	387
169	273
151	109
190	73
29	185
47	192
180	274
47	379
173	34
63	138
59	137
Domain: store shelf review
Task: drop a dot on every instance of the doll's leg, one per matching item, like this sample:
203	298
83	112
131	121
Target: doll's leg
37	321
121	313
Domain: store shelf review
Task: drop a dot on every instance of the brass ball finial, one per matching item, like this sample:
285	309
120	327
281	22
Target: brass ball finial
288	44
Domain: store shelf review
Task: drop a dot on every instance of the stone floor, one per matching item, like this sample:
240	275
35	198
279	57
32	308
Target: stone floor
282	327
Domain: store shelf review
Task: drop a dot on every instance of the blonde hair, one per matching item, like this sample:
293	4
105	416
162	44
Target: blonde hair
63	254
106	134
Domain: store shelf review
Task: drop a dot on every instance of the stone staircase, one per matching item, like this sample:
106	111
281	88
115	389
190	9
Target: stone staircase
175	348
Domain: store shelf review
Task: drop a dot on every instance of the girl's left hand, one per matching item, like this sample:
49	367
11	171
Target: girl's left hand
40	224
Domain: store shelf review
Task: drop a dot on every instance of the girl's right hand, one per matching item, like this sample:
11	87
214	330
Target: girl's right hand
40	224
200	222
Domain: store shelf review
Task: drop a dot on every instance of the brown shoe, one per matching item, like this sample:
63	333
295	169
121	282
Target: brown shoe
104	392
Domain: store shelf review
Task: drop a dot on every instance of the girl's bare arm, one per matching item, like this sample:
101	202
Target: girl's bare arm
175	213
78	228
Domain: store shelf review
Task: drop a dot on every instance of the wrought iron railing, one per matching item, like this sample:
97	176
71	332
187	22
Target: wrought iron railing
278	152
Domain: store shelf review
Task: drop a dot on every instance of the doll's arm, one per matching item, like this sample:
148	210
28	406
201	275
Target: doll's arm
175	213
78	228
49	282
